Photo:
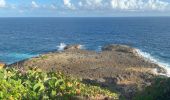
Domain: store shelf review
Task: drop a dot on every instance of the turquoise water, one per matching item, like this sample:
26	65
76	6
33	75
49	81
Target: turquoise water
22	38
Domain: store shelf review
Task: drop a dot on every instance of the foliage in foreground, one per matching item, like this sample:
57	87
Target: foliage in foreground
34	85
159	90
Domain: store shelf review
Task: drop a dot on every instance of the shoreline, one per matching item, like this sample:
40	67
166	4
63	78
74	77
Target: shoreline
144	55
116	67
148	57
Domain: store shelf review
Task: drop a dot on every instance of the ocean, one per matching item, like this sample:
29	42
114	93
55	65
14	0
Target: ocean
22	38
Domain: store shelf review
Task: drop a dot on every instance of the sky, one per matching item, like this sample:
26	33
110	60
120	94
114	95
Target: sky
83	8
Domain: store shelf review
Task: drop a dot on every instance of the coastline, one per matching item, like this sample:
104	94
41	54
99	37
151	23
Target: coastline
151	59
144	55
116	67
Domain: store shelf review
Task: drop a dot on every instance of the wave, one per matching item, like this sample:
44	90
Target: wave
61	47
152	59
99	49
82	46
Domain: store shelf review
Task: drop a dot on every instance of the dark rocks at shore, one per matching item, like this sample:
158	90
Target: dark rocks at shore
73	47
118	48
116	67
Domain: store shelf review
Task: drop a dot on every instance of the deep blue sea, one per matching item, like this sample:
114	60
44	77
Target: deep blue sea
22	38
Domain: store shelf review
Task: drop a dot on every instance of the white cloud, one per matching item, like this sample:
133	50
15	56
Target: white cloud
139	4
68	4
80	4
157	5
92	4
125	5
98	5
52	6
34	4
2	3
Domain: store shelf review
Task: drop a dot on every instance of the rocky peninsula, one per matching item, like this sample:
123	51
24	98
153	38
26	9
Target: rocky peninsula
117	67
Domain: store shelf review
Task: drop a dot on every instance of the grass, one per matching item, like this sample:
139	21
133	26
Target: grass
35	84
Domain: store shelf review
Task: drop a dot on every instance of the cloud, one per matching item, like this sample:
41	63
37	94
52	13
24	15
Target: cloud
124	5
52	6
34	4
2	3
92	4
157	5
68	4
80	4
95	5
139	4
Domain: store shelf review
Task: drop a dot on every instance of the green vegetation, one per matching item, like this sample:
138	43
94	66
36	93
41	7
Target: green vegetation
35	84
44	57
159	90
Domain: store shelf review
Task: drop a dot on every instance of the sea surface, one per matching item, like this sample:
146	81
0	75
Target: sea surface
22	38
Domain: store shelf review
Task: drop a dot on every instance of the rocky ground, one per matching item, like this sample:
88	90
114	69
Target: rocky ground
116	67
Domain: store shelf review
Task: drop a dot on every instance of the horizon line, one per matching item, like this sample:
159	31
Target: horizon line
77	16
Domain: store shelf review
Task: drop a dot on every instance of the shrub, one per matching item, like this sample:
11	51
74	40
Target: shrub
35	84
159	90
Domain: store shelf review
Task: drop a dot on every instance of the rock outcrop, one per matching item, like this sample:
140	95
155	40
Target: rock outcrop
73	47
118	48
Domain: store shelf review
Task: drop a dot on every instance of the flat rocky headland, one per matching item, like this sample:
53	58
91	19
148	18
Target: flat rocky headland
116	67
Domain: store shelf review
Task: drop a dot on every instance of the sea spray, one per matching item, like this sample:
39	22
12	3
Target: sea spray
61	46
82	46
152	59
99	49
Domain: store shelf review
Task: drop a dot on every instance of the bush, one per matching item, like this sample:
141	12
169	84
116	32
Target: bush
159	90
35	84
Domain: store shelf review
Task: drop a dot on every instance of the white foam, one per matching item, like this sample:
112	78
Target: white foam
82	47
99	49
61	46
150	58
